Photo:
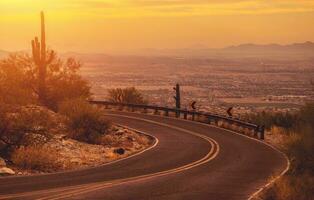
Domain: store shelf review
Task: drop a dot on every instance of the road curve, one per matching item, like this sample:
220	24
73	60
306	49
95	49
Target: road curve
191	161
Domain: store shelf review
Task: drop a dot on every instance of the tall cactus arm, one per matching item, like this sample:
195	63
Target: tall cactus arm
40	59
51	57
43	38
36	51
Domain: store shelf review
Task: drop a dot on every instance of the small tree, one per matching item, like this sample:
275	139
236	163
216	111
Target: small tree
127	95
16	80
19	125
86	122
19	81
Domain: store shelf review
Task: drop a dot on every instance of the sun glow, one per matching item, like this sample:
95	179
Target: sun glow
105	25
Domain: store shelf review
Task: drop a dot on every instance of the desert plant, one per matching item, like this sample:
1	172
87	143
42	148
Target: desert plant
306	114
86	122
299	146
41	78
25	126
19	81
36	158
16	79
126	95
42	58
268	119
291	187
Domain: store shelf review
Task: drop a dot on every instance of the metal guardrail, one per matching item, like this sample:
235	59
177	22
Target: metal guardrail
210	118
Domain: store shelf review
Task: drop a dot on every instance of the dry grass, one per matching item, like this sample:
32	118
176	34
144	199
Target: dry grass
298	184
36	158
86	122
141	140
108	140
292	188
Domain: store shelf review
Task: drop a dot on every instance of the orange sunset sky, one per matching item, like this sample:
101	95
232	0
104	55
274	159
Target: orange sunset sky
119	26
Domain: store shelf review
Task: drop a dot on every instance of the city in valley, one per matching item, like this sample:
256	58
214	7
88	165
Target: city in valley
248	84
157	99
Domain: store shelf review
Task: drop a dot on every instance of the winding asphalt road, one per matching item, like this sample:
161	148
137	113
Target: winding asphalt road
190	161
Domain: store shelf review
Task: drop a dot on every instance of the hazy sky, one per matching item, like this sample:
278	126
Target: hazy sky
126	25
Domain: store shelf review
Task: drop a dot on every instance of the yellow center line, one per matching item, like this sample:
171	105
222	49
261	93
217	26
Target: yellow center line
86	188
211	155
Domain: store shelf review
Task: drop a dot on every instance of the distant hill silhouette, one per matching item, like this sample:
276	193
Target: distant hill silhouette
306	46
269	51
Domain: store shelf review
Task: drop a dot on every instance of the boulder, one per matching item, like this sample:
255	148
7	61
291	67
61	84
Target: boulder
6	171
119	151
2	162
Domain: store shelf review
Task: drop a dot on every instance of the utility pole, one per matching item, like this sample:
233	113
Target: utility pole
177	98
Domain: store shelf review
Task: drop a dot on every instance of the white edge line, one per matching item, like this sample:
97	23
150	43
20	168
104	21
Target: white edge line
254	195
271	182
156	141
157	174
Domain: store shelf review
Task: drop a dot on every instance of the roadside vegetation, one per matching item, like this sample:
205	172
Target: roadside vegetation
19	81
86	122
36	157
46	121
129	95
297	131
61	130
26	122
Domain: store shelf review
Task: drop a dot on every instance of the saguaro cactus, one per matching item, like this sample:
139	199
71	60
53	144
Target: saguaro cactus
42	58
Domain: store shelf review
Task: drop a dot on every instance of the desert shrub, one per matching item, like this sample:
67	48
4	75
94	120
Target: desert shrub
25	125
279	130
108	140
306	114
268	119
291	188
19	81
86	122
299	147
126	95
298	183
15	80
36	158
64	82
142	140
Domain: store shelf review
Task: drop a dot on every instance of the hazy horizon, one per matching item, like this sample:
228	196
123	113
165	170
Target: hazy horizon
143	51
126	26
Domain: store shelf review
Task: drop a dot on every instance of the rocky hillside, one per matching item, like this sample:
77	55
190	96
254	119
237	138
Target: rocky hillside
56	151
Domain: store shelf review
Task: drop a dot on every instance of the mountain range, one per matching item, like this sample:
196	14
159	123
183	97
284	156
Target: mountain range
291	51
304	50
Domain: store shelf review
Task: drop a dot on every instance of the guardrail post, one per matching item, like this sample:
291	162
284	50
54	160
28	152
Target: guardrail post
262	132
145	110
167	112
209	120
256	132
237	124
193	116
185	114
177	113
216	122
120	107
